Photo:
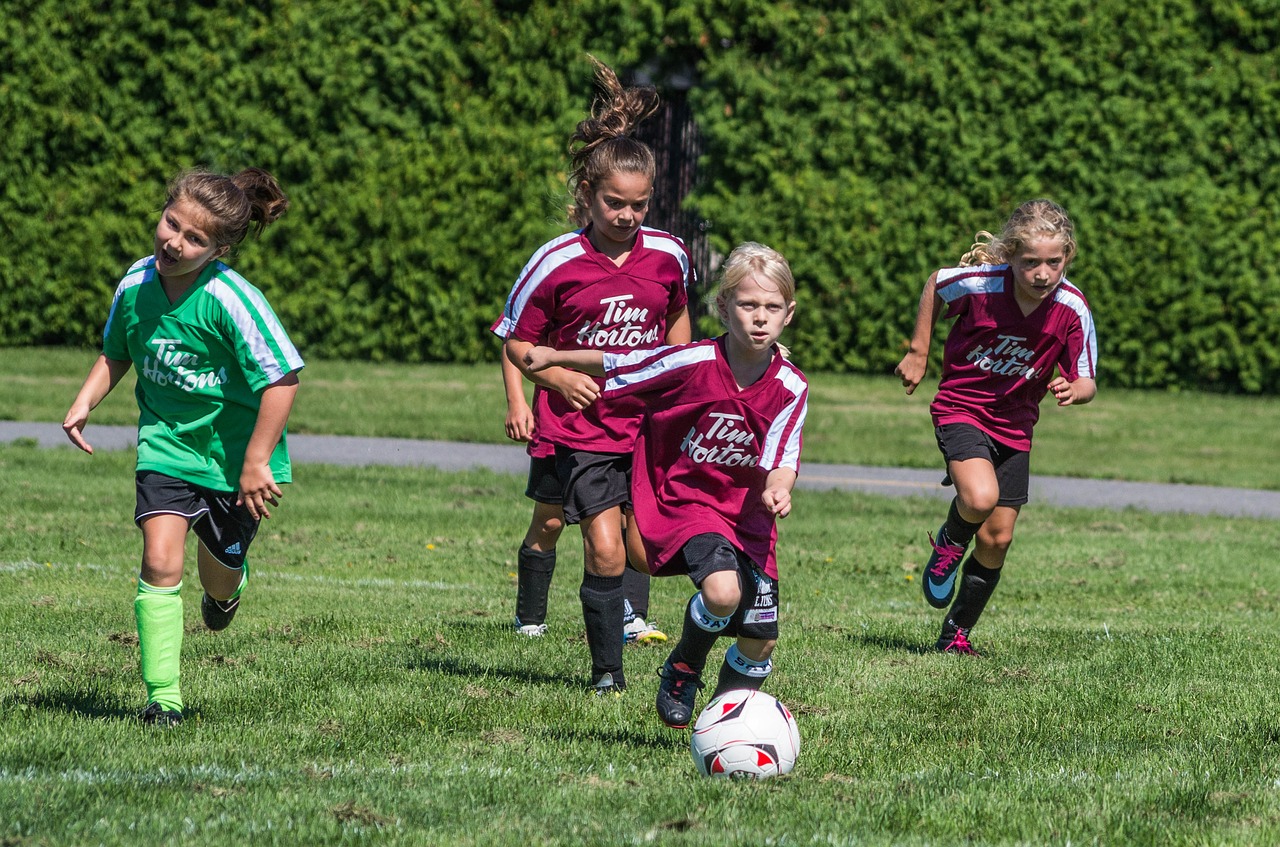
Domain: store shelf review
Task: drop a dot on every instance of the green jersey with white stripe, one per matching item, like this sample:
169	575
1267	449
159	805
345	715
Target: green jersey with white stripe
202	364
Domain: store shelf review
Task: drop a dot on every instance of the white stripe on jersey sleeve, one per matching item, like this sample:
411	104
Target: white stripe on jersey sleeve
788	453
268	316
141	271
223	287
1069	296
657	239
534	272
954	283
664	359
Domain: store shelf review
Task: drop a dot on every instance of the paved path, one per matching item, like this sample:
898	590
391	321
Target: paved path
448	455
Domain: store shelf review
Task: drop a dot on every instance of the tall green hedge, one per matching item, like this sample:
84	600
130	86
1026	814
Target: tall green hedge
423	147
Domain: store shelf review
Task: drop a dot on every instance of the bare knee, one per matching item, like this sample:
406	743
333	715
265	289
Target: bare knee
977	502
977	488
993	546
545	527
722	592
163	550
604	554
545	535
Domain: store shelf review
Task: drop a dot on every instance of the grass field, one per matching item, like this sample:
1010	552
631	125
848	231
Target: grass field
1133	435
371	691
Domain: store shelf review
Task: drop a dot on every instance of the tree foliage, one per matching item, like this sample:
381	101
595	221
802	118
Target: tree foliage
423	146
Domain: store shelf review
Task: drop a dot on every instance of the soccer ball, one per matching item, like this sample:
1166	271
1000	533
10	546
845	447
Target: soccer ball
745	734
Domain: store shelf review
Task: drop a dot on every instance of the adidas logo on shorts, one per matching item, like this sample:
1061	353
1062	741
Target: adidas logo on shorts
233	550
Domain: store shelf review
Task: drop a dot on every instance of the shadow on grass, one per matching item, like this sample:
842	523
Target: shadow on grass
453	666
426	653
673	740
86	705
892	643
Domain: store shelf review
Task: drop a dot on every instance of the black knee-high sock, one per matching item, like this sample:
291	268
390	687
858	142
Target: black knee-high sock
602	613
959	531
977	584
695	642
635	587
533	582
731	680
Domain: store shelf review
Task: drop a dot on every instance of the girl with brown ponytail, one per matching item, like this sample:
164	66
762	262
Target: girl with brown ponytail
612	286
217	375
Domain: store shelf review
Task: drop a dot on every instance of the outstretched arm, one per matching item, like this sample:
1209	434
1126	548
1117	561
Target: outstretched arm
587	361
913	365
576	387
103	376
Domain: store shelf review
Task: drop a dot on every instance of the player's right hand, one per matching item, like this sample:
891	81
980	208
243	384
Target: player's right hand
911	370
520	424
73	425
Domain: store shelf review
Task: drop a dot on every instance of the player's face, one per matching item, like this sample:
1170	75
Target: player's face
618	206
755	313
1037	270
183	246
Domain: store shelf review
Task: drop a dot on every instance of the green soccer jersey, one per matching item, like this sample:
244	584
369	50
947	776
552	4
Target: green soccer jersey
202	364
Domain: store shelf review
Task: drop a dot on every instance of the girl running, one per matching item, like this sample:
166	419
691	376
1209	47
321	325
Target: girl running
217	375
716	460
1016	319
612	286
536	558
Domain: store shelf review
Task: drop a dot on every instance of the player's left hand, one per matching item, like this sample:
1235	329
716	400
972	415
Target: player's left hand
777	501
576	387
538	358
258	488
1068	393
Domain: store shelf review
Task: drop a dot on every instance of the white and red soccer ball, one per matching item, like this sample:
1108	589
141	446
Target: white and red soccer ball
745	734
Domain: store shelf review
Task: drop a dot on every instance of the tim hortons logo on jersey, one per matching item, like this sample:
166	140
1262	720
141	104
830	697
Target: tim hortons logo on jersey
621	326
1005	358
173	367
723	443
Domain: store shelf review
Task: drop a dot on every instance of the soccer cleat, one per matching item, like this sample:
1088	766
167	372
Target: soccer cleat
531	630
157	715
640	631
217	614
955	639
940	571
677	693
604	685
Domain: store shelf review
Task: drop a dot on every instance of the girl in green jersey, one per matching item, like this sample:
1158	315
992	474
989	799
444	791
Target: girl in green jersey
216	379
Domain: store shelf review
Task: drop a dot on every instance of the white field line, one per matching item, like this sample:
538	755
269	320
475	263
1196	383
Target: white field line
243	775
357	582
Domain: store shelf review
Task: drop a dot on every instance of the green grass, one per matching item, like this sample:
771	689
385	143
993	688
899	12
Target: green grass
370	690
1131	435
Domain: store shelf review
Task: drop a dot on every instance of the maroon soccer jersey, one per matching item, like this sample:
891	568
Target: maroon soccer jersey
706	447
570	296
997	363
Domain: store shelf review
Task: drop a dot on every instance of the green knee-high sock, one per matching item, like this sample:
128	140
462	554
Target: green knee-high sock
159	615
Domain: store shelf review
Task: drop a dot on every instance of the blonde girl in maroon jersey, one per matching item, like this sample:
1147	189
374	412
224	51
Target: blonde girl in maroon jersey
716	461
1017	321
